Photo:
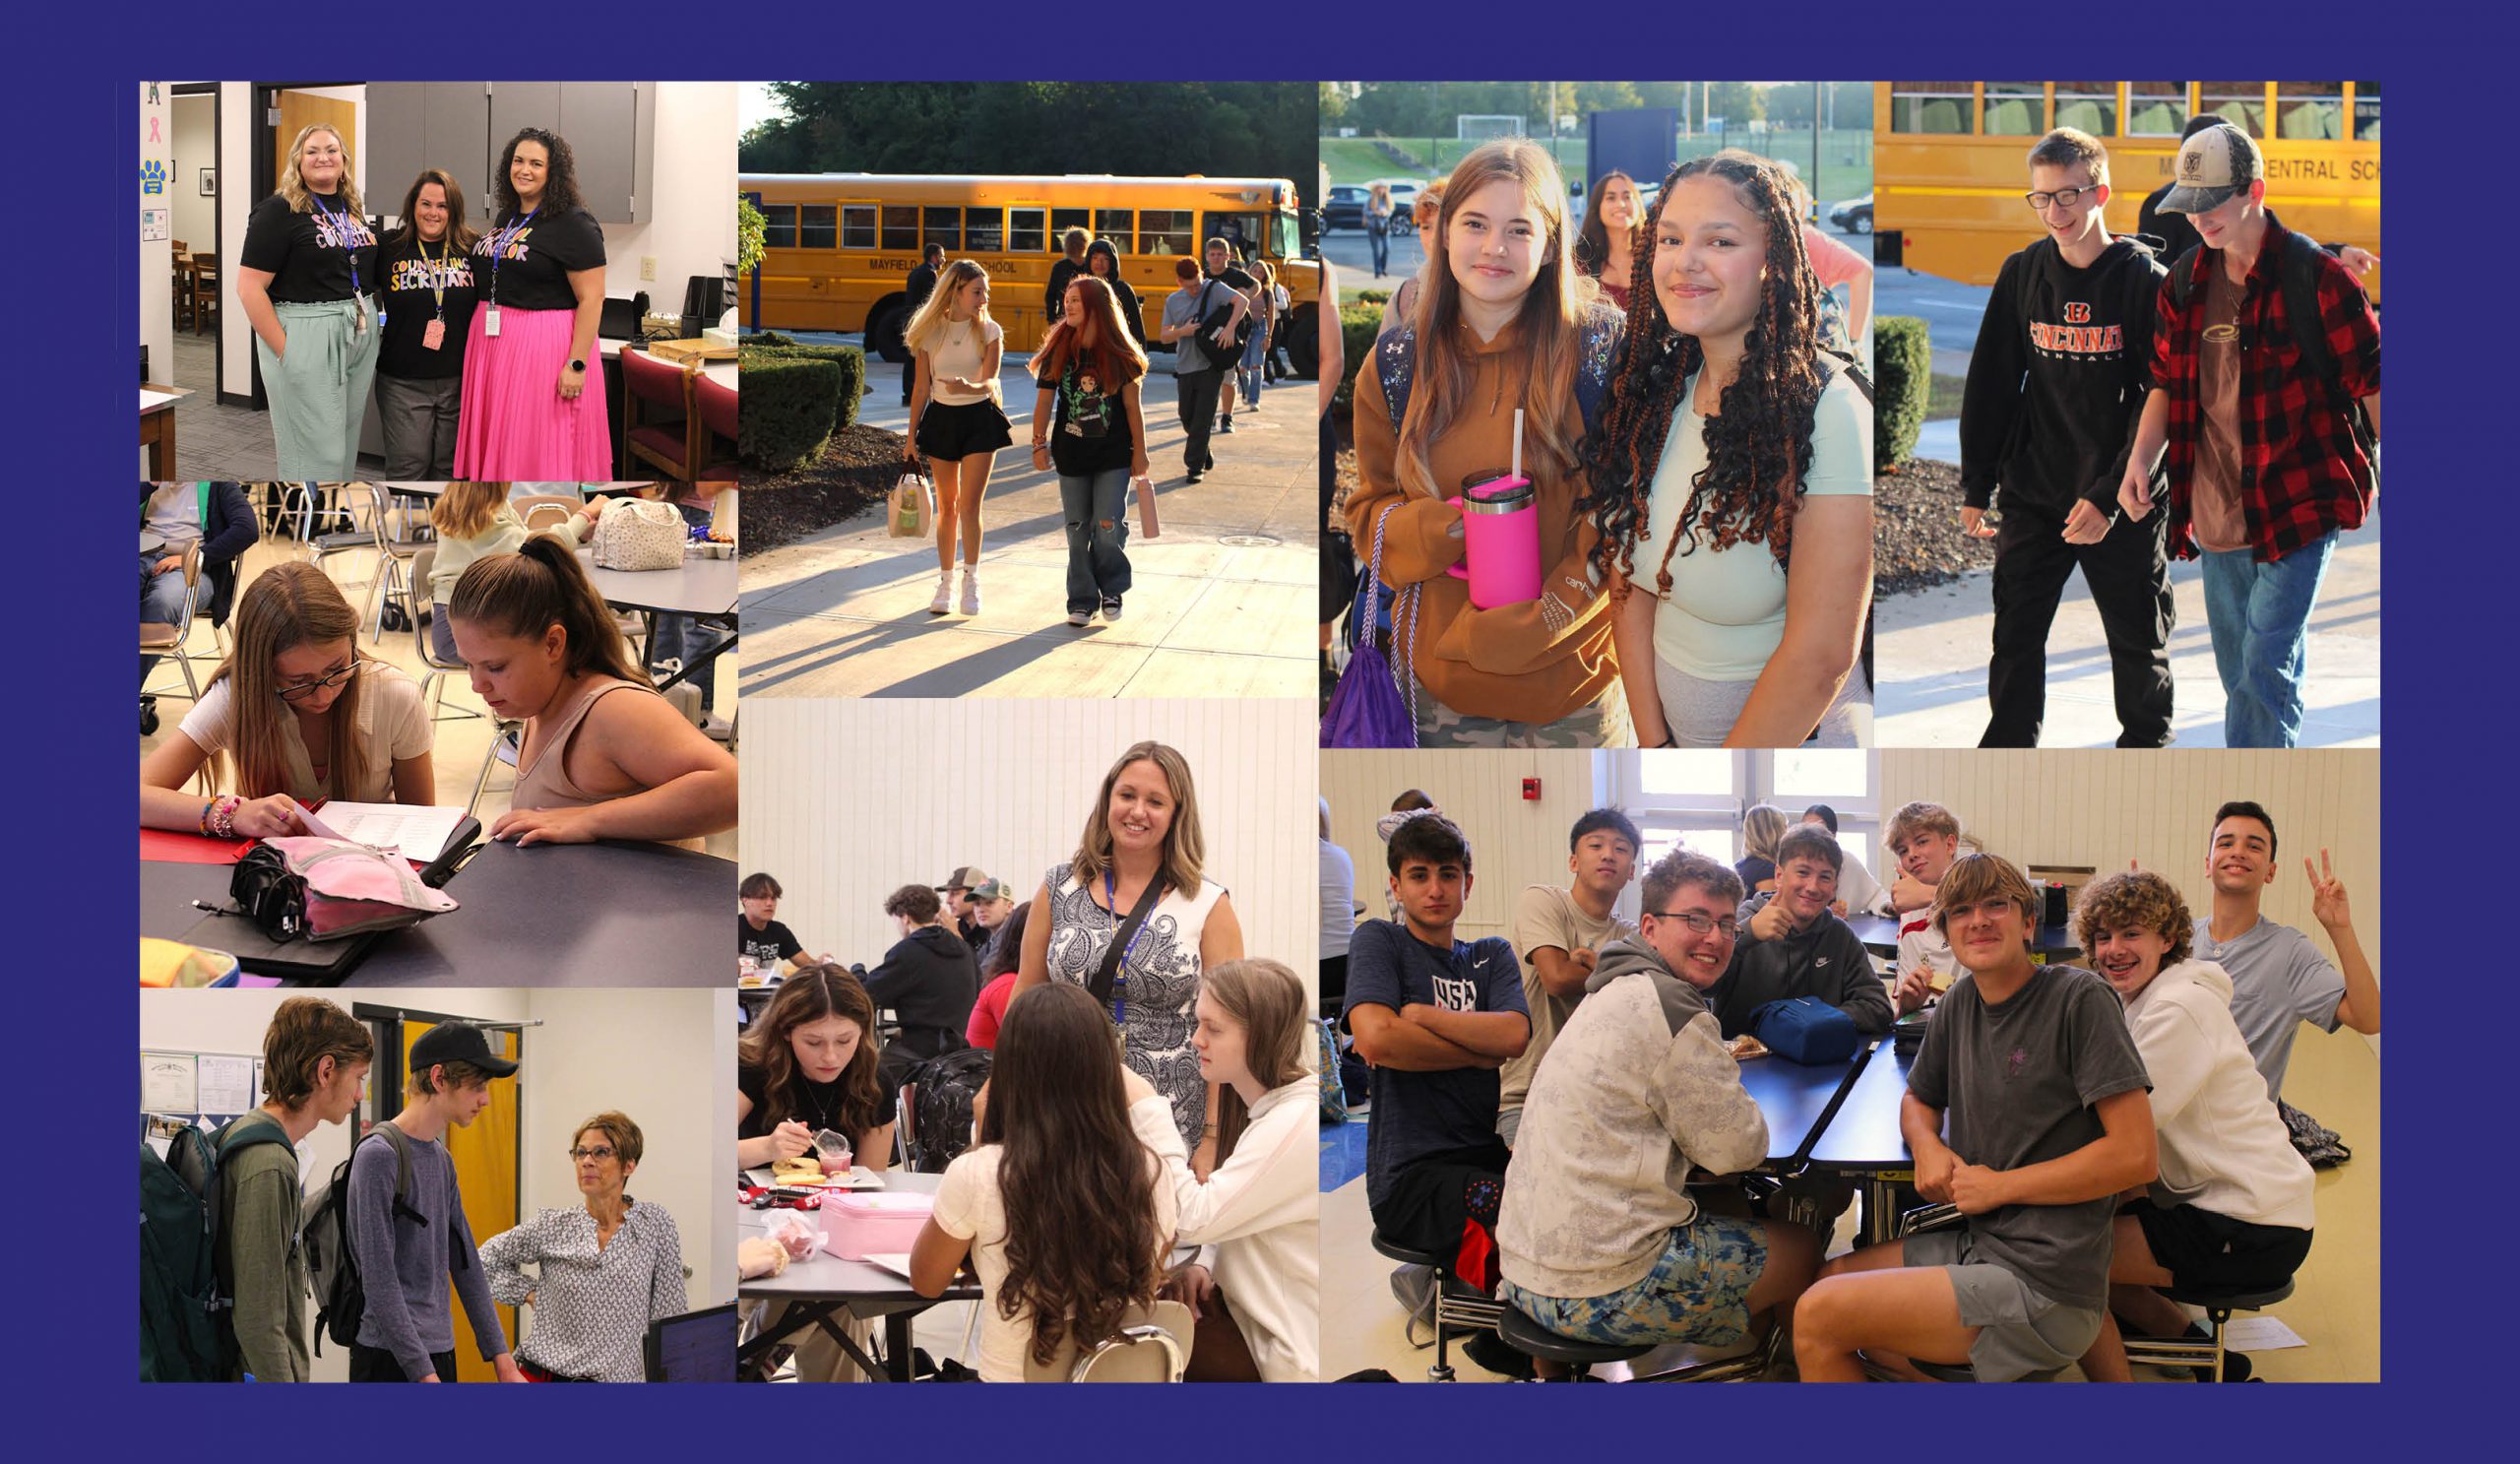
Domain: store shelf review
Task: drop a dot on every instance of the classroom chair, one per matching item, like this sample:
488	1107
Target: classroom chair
167	641
905	1125
671	444
1532	1340
1153	1346
541	511
715	406
2207	1356
1917	1222
1457	1305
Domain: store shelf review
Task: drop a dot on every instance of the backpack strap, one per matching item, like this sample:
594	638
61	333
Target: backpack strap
400	1144
2299	267
1839	363
2183	276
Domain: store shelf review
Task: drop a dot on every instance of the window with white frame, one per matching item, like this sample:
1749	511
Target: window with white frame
1696	800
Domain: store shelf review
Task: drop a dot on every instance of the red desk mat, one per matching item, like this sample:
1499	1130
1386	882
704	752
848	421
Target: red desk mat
165	847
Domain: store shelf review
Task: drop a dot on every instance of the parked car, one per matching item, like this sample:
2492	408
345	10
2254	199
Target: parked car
1853	217
1346	209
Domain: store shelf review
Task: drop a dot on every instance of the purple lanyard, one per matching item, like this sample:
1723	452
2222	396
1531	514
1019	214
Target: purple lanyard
499	246
343	230
1121	971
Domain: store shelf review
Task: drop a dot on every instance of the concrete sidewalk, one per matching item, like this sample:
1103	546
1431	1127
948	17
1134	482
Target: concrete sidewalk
1931	650
1223	603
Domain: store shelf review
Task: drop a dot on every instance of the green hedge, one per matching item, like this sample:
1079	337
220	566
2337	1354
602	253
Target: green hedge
786	415
1902	359
1373	296
1358	325
851	360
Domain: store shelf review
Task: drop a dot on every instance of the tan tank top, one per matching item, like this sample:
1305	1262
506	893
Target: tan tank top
542	780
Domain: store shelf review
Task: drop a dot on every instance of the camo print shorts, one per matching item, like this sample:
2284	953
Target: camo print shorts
1697	1292
1603	723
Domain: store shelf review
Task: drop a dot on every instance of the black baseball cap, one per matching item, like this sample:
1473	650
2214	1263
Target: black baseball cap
458	1042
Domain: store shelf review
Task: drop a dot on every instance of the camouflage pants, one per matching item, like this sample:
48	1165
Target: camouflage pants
1603	723
1697	1292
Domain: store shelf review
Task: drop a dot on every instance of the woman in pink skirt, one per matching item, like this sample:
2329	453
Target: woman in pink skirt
532	386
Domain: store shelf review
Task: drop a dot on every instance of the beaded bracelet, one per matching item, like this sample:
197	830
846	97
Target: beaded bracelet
223	817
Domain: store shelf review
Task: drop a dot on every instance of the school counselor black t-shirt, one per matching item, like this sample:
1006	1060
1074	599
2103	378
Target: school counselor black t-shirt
412	275
534	265
309	256
768	945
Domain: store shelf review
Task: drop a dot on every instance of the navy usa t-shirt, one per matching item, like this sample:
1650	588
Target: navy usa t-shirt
1417	1113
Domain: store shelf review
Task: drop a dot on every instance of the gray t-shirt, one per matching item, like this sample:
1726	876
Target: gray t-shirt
1180	308
2017	1083
406	1257
2279	980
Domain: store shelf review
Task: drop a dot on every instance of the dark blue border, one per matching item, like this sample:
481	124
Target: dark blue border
2448	653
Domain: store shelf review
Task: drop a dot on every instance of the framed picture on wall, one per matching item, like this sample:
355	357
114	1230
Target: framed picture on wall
210	182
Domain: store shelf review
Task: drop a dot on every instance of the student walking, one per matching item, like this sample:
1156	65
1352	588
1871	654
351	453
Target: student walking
1089	425
958	421
306	283
1378	226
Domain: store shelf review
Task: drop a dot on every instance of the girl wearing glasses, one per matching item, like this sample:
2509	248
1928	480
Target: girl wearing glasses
603	756
304	714
532	386
306	281
604	1269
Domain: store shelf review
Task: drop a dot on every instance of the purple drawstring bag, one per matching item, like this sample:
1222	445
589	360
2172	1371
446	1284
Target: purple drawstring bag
1366	709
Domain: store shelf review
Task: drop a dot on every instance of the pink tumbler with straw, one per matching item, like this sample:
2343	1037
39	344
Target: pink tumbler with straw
1500	533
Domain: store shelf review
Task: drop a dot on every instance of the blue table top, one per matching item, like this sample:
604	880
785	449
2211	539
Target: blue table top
1794	1100
1864	1133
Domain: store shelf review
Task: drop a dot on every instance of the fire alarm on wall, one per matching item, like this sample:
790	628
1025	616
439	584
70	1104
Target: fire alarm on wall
1530	790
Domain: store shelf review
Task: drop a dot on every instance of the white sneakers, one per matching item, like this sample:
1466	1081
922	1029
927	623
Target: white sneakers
944	601
970	590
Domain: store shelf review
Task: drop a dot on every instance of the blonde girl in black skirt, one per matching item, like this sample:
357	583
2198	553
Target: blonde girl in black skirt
959	422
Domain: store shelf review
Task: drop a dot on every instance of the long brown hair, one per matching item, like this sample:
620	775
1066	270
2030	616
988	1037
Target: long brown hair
1101	346
466	509
460	232
1184	849
1550	319
540	586
1266	999
1593	242
1081	1241
1758	448
289	605
811	994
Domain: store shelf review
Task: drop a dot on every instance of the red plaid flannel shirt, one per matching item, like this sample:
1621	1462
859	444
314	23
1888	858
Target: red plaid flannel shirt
2301	473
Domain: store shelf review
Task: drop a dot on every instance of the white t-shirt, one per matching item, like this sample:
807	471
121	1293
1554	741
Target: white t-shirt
970	1206
959	351
392	718
1921	944
1726	612
1257	1216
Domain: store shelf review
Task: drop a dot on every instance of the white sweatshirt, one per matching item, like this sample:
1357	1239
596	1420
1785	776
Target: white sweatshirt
1259	1214
2224	1146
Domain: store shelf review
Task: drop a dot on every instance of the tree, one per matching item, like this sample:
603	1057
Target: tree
1739	103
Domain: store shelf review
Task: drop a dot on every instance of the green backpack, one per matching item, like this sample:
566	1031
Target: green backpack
187	1327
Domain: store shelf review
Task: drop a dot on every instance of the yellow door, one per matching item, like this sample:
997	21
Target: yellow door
299	109
485	1167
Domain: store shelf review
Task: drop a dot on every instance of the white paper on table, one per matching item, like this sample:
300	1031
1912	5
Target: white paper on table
167	1083
149	399
225	1085
416	832
894	1261
2260	1334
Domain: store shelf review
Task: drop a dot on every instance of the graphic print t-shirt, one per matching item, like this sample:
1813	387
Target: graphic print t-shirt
411	273
1093	431
535	260
309	256
770	945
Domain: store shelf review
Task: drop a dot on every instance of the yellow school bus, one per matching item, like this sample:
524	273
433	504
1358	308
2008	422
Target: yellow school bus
1949	169
840	246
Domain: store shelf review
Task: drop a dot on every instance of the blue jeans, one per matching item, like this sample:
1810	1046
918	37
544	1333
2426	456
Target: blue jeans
681	638
1098	535
2259	615
162	603
1380	243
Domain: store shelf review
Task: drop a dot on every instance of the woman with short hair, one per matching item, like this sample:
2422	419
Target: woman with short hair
604	1270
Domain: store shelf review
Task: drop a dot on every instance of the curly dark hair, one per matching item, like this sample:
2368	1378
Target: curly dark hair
1082	1246
559	190
1759	446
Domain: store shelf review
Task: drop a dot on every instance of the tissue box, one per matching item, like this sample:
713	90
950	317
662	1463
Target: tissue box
874	1223
719	336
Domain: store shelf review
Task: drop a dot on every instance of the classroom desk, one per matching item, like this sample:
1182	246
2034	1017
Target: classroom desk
1880	934
158	430
1863	1139
701	587
556	915
821	1290
1797	1102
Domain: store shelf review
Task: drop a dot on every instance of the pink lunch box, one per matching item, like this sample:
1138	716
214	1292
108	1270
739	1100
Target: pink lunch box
873	1221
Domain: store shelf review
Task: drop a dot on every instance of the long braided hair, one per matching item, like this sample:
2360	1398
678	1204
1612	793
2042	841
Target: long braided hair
1759	447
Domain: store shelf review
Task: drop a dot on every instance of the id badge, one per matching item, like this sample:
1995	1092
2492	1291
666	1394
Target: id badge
434	336
491	321
358	326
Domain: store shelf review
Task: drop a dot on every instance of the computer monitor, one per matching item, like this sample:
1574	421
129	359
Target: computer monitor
695	1347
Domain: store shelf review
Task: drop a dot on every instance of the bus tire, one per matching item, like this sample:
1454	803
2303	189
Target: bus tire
1304	342
884	326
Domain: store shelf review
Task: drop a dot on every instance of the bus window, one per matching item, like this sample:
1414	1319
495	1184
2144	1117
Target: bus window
1285	245
900	228
2310	109
2240	103
2156	108
1244	231
1118	226
2090	107
857	225
2367	111
1166	231
2015	109
945	228
983	231
1026	232
818	226
1931	107
779	225
1063	220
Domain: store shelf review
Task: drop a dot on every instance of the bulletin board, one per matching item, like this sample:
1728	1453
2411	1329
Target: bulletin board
203	1089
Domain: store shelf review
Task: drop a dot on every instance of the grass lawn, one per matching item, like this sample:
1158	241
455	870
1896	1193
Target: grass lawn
1846	160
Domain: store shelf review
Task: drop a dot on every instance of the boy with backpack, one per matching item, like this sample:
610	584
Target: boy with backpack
407	1229
2266	377
2056	387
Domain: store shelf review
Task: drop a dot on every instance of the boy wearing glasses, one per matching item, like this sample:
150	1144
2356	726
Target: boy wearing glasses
2056	384
2044	1092
1600	1241
408	1238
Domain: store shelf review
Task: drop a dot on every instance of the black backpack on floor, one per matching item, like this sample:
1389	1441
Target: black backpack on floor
945	1087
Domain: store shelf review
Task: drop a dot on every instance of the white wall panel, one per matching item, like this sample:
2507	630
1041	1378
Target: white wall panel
1513	842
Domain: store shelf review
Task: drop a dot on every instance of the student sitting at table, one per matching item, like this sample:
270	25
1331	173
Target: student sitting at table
2233	1208
998	969
1600	1238
474	520
1792	944
774	948
928	979
1060	1207
1923	838
217	517
595	764
305	713
2044	1090
1255	1287
1437	1017
1560	934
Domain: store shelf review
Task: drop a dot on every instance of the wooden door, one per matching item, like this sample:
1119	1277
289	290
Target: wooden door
301	109
486	1168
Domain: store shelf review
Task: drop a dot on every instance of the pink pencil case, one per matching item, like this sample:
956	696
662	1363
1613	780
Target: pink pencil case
874	1223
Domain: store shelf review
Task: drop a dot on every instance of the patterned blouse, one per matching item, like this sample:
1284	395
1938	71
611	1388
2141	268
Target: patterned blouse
1157	1005
591	1308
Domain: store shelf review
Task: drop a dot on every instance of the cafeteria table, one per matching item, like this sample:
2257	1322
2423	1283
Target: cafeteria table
1862	1140
1796	1101
823	1290
1880	936
701	587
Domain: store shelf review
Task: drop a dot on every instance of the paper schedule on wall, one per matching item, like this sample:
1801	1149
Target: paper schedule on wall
225	1085
168	1083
